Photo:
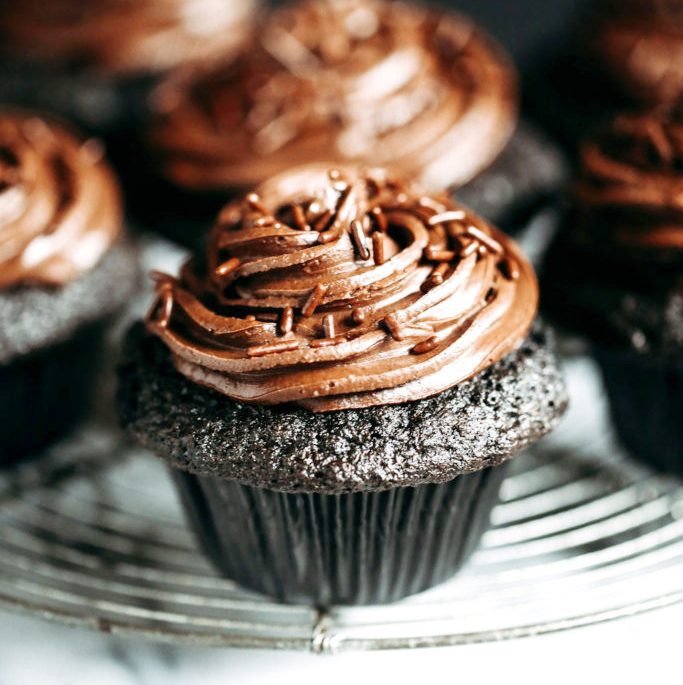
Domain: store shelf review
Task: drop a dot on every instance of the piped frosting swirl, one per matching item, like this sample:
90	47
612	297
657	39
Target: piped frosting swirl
60	206
338	290
630	192
341	81
124	36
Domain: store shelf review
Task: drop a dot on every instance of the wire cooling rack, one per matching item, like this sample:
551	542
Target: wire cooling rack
92	535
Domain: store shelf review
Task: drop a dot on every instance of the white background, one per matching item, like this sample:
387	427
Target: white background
644	649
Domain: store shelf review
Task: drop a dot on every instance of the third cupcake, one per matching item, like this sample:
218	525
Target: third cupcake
616	275
371	81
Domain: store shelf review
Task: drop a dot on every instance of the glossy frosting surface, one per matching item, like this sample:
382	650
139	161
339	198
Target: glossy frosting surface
337	81
124	36
60	206
344	289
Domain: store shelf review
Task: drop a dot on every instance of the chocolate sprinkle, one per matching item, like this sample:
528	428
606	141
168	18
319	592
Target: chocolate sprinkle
273	348
393	326
426	345
228	267
286	321
314	299
359	241
447	217
378	248
485	239
328	326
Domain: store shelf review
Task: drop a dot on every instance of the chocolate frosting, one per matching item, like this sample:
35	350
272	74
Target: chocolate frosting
615	273
124	36
60	206
640	42
630	193
344	289
337	81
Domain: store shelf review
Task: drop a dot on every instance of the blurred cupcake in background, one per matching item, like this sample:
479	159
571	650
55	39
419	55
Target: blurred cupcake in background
615	274
337	403
93	62
339	81
65	270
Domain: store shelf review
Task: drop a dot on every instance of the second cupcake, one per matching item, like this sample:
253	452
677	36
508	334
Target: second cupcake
382	83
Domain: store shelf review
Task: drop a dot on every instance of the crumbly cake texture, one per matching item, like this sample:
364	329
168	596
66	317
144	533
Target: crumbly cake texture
477	424
33	317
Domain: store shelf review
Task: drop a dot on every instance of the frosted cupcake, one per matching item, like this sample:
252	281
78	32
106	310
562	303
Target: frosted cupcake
94	62
615	276
65	270
421	91
337	382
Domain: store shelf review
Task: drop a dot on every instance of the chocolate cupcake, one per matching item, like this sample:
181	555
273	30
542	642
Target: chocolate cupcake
64	271
615	274
337	384
418	90
94	62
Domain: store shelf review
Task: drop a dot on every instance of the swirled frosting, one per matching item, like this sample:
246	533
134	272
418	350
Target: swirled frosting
630	192
124	36
60	207
337	290
337	81
640	43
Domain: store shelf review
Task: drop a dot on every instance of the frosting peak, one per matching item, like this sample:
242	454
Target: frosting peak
60	208
631	186
340	289
338	81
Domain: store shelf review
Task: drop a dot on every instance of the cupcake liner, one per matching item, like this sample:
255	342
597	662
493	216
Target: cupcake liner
45	393
357	548
646	402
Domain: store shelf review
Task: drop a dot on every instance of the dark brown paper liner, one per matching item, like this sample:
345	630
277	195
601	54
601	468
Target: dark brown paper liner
360	548
44	394
646	402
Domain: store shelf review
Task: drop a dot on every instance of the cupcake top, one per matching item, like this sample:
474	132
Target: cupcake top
336	81
124	36
60	206
640	43
616	272
630	193
342	290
